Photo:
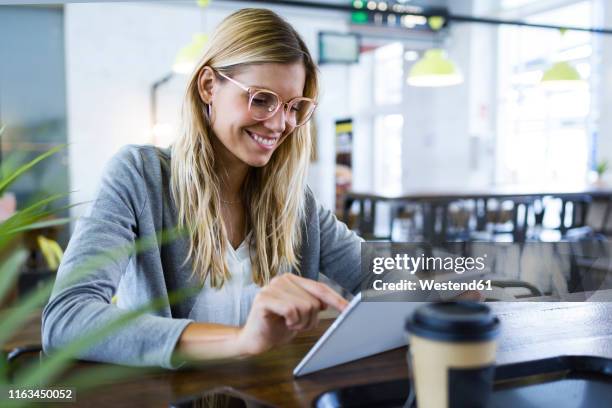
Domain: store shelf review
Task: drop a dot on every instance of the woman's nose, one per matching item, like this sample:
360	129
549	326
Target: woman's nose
278	121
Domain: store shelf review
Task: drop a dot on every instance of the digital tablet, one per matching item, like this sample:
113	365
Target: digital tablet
364	328
370	327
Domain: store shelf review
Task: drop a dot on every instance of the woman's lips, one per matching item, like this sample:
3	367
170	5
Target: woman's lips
266	143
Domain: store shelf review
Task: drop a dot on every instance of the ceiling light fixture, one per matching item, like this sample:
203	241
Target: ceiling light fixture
435	69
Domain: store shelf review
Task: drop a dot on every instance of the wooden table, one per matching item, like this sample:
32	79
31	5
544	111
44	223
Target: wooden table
529	331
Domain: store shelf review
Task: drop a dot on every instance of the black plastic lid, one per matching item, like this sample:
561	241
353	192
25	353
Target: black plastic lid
454	321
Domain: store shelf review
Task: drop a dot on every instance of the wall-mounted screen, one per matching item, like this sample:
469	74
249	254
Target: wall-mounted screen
339	48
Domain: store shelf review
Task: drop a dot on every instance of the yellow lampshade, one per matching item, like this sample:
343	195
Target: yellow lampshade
562	75
435	69
188	56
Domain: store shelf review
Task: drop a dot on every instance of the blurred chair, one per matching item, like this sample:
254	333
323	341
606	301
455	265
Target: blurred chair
20	351
510	290
600	215
15	356
365	222
460	216
405	223
573	213
577	208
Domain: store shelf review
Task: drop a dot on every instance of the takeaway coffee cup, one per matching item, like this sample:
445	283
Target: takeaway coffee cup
452	354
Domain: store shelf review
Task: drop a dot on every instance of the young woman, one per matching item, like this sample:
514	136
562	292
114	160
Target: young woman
235	179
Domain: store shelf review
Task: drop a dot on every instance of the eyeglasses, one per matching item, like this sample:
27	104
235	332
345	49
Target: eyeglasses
263	104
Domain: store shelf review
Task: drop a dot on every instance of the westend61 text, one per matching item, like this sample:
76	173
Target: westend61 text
430	284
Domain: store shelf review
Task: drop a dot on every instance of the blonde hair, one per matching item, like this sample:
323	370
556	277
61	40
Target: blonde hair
274	193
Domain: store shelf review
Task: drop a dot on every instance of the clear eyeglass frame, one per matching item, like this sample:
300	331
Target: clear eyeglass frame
273	104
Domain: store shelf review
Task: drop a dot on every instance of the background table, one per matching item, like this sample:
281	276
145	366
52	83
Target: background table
435	203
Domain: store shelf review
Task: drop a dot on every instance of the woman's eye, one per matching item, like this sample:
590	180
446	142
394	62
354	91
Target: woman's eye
259	101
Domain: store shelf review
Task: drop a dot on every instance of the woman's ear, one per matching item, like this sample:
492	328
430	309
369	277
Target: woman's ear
206	84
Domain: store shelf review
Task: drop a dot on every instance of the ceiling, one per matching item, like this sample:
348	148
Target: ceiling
424	3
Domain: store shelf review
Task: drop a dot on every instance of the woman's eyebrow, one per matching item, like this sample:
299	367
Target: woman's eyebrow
267	88
276	92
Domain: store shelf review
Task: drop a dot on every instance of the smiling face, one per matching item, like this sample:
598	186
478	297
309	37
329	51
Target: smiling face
240	139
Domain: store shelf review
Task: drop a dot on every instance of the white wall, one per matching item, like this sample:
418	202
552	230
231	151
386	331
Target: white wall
448	141
116	51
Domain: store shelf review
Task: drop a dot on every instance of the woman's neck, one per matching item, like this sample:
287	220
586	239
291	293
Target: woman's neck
231	170
232	180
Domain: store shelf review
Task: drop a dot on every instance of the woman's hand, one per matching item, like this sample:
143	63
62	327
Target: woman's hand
287	305
282	308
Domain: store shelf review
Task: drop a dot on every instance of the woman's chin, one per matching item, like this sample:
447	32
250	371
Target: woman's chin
258	160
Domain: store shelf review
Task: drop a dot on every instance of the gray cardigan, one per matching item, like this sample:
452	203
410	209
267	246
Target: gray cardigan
134	201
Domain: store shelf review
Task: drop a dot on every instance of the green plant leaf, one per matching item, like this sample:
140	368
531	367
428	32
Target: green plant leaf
38	205
12	319
88	379
10	179
9	271
11	162
91	378
20	218
41	374
23	220
42	224
602	167
3	369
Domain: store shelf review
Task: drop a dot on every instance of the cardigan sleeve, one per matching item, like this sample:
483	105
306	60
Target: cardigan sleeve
339	248
81	299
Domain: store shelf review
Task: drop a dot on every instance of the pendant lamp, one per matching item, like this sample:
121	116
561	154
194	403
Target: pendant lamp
188	56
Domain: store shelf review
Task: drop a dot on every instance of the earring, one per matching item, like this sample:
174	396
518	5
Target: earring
209	109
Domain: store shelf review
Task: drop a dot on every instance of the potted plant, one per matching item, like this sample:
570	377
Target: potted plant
601	169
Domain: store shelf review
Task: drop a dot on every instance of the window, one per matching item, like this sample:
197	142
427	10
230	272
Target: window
388	121
544	133
33	101
388	74
376	99
388	152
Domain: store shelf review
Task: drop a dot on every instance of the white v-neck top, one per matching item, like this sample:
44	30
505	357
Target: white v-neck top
231	303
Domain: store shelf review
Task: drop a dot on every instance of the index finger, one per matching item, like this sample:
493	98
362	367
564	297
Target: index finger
322	292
